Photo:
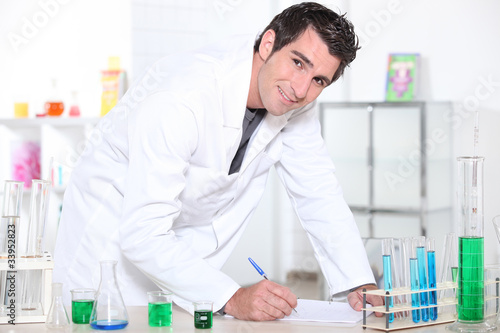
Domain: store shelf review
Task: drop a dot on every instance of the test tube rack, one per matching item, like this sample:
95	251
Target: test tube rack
46	264
400	322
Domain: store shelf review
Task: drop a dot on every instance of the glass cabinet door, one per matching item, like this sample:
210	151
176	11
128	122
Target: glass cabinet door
346	133
396	157
393	162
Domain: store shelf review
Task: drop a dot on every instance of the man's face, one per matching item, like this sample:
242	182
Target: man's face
295	75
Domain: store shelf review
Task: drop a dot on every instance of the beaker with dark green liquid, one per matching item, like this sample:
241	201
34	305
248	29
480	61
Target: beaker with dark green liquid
470	279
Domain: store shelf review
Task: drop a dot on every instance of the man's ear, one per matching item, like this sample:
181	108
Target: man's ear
266	44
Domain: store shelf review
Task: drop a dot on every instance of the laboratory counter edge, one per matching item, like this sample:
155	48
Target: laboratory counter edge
182	321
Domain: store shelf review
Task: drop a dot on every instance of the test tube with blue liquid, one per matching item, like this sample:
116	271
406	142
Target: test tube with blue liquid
422	276
431	270
415	298
387	246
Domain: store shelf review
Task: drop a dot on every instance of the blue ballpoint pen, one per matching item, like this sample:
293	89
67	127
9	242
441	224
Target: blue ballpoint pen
261	272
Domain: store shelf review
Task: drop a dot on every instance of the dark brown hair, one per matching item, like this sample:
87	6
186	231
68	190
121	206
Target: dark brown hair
335	30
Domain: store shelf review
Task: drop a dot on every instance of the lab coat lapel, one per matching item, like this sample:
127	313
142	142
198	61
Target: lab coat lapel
270	127
233	102
231	135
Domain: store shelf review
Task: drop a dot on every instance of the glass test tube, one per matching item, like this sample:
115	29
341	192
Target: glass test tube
404	249
397	277
422	276
12	203
431	270
415	286
387	251
9	236
449	267
31	280
40	193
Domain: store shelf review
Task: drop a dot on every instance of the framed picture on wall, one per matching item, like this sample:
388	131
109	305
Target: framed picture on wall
403	71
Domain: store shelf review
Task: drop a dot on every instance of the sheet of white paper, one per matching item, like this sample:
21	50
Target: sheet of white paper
324	311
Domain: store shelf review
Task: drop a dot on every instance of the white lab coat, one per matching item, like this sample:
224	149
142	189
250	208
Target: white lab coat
152	189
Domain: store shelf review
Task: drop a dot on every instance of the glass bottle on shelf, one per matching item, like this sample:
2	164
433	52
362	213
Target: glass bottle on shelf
54	105
74	110
109	312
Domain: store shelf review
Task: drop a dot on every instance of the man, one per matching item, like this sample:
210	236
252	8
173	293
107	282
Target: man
173	174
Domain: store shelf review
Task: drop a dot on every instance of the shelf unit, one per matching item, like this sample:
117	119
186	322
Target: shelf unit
394	162
61	140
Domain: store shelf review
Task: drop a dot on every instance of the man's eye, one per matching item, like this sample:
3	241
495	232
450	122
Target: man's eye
297	62
319	81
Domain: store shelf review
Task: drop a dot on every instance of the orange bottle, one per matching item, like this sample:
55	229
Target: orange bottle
54	106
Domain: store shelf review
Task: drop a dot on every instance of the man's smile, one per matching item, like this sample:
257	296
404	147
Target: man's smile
285	96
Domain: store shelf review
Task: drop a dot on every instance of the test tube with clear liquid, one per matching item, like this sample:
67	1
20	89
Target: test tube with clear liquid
404	252
470	289
31	280
9	235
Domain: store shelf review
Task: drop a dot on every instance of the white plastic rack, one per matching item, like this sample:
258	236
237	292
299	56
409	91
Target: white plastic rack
402	312
46	264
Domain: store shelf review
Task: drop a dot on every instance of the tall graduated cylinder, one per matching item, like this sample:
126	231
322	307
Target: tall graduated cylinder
470	291
470	240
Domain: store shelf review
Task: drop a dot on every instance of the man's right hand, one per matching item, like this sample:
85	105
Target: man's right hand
265	300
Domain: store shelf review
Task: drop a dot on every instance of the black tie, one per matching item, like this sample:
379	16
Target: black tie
252	119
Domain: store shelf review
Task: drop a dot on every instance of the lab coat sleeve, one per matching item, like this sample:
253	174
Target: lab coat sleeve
162	137
307	173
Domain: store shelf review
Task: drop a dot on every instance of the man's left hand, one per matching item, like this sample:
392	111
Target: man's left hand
355	299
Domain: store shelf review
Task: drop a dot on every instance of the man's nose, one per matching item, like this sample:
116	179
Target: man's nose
301	86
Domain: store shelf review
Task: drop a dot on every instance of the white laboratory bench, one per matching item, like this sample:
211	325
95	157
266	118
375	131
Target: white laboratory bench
183	322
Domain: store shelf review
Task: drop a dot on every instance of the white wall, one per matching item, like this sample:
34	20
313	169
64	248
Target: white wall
68	40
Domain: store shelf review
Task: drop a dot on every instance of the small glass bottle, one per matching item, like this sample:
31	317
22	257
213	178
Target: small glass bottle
54	105
109	312
57	317
74	110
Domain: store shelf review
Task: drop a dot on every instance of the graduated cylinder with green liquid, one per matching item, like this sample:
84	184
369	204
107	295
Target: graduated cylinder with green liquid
470	279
